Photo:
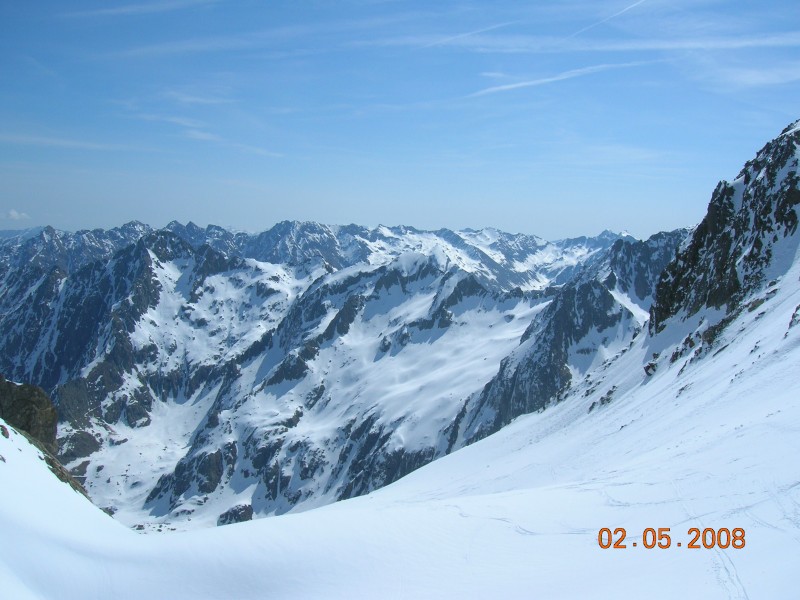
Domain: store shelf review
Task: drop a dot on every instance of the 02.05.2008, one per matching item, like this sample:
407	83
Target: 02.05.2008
660	538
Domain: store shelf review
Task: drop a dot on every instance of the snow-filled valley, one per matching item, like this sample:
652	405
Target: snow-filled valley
441	414
514	515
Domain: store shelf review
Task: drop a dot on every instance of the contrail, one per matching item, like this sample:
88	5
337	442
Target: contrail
468	34
606	20
558	77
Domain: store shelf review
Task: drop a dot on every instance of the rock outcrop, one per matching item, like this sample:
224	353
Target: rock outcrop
28	408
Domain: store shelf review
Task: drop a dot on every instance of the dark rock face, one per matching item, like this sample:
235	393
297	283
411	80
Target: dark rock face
732	249
203	471
237	514
636	267
209	468
582	316
27	408
78	444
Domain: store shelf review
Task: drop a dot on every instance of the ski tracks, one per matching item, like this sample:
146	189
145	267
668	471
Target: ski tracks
724	568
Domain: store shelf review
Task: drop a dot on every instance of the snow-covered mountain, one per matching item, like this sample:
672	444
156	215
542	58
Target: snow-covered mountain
203	375
690	420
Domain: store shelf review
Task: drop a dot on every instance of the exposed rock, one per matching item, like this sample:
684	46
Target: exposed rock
46	455
27	408
237	514
581	317
209	468
729	253
78	444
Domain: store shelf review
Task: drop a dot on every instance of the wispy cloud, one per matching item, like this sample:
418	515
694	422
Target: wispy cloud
606	20
174	120
15	215
196	46
205	136
141	9
192	98
461	36
768	75
780	40
53	142
276	38
572	74
197	134
534	44
494	75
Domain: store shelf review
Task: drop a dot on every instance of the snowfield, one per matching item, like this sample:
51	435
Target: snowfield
684	418
710	444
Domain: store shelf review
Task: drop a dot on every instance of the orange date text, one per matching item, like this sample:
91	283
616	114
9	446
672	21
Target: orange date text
650	538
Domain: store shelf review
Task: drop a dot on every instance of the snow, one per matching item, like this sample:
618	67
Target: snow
122	483
639	313
711	445
792	129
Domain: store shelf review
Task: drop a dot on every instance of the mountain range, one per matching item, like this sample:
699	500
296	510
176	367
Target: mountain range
496	398
207	375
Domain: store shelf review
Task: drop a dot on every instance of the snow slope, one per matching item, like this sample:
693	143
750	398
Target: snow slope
513	516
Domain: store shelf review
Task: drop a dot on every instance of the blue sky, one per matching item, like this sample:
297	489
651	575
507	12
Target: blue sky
554	118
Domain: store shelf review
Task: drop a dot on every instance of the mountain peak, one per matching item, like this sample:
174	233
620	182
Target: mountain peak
747	237
791	128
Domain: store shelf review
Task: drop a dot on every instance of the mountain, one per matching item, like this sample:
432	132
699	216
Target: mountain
588	322
685	421
207	375
746	241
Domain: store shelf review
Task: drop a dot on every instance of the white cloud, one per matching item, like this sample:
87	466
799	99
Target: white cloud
205	136
606	20
184	98
141	9
174	120
460	36
558	77
196	134
51	142
15	215
535	44
758	77
323	35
